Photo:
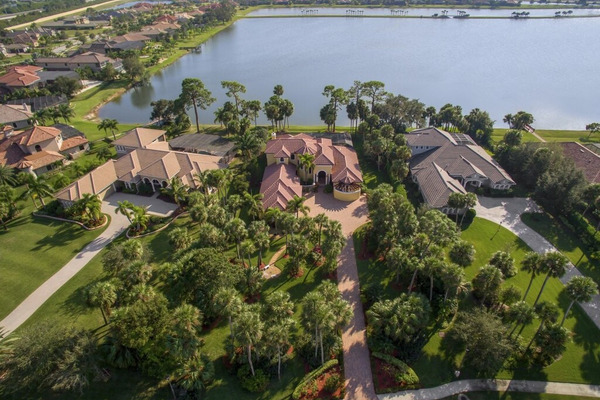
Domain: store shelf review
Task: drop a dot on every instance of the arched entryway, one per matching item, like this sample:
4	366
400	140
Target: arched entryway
322	178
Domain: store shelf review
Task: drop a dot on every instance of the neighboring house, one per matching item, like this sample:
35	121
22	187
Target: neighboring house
41	148
203	143
28	38
95	61
153	168
337	165
20	77
129	41
166	18
584	158
443	163
16	116
17	48
39	103
138	138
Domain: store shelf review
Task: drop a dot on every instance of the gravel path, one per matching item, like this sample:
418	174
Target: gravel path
507	212
34	301
499	385
357	365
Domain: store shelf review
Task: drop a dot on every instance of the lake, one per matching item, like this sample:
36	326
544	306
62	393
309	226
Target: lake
546	67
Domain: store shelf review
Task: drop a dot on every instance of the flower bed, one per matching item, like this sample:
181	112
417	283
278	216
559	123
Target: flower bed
392	375
315	384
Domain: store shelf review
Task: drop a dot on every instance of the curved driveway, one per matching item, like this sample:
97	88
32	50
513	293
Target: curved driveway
35	300
507	212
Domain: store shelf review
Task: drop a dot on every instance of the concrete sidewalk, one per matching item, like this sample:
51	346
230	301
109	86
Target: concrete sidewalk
19	315
507	212
499	385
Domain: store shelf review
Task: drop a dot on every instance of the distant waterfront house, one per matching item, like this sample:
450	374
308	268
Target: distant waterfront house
138	138
40	149
203	143
443	163
585	159
337	165
149	167
95	61
20	77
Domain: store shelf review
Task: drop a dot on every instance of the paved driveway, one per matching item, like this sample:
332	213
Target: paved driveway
357	365
155	206
507	212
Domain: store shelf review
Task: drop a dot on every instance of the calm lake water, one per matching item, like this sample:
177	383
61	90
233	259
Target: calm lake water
546	67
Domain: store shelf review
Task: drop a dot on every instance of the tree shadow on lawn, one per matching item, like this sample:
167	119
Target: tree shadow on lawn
586	334
16	222
65	234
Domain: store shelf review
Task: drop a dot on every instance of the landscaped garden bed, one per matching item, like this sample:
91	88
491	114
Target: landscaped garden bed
392	375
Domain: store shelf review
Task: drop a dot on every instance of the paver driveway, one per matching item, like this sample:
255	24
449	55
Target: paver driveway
357	366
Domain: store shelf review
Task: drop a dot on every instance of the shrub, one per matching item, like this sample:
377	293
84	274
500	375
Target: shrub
328	188
310	378
254	384
403	374
333	382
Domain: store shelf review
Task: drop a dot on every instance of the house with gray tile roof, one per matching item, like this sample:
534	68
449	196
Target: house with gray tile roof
443	163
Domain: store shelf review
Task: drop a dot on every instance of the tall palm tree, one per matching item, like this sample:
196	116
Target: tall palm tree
321	219
470	202
547	313
254	204
140	218
90	205
261	242
580	289
177	190
279	335
307	162
7	175
236	230
109	124
247	248
273	216
66	112
40	117
520	313
230	304
125	207
296	205
201	178
38	187
248	145
555	265
195	374
250	330
531	263
453	277
103	295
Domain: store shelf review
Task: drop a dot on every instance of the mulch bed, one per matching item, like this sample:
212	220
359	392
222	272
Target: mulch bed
321	393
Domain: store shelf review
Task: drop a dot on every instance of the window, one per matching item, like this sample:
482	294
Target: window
82	147
281	159
38	147
293	155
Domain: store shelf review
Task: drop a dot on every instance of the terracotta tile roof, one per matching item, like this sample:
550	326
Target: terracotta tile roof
280	184
584	159
39	159
285	145
10	153
346	168
37	134
73	142
20	76
130	37
139	137
84	58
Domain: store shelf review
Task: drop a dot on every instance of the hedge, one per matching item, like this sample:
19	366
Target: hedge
408	375
311	376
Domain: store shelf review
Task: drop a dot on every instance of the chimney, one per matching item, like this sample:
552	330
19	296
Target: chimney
25	107
274	135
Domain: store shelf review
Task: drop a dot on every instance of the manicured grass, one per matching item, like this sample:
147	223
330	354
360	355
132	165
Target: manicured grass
518	396
565	241
32	250
68	306
498	136
434	367
567	136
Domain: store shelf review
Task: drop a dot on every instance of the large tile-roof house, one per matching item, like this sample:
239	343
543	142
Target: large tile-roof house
443	163
138	138
584	159
95	61
154	168
19	77
332	164
41	148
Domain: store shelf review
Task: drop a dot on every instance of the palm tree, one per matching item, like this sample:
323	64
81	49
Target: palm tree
236	230
40	188
580	289
254	204
7	175
555	265
247	145
280	334
90	204
41	116
457	201
296	205
520	313
321	219
230	304
453	277
125	207
307	163
262	242
547	313
201	179
531	263
273	216
66	112
109	124
195	374
247	248
177	190
104	296
250	330
470	202
140	218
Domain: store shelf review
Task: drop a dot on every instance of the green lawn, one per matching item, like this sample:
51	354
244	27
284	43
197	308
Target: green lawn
68	306
498	136
565	241
32	250
567	136
580	360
